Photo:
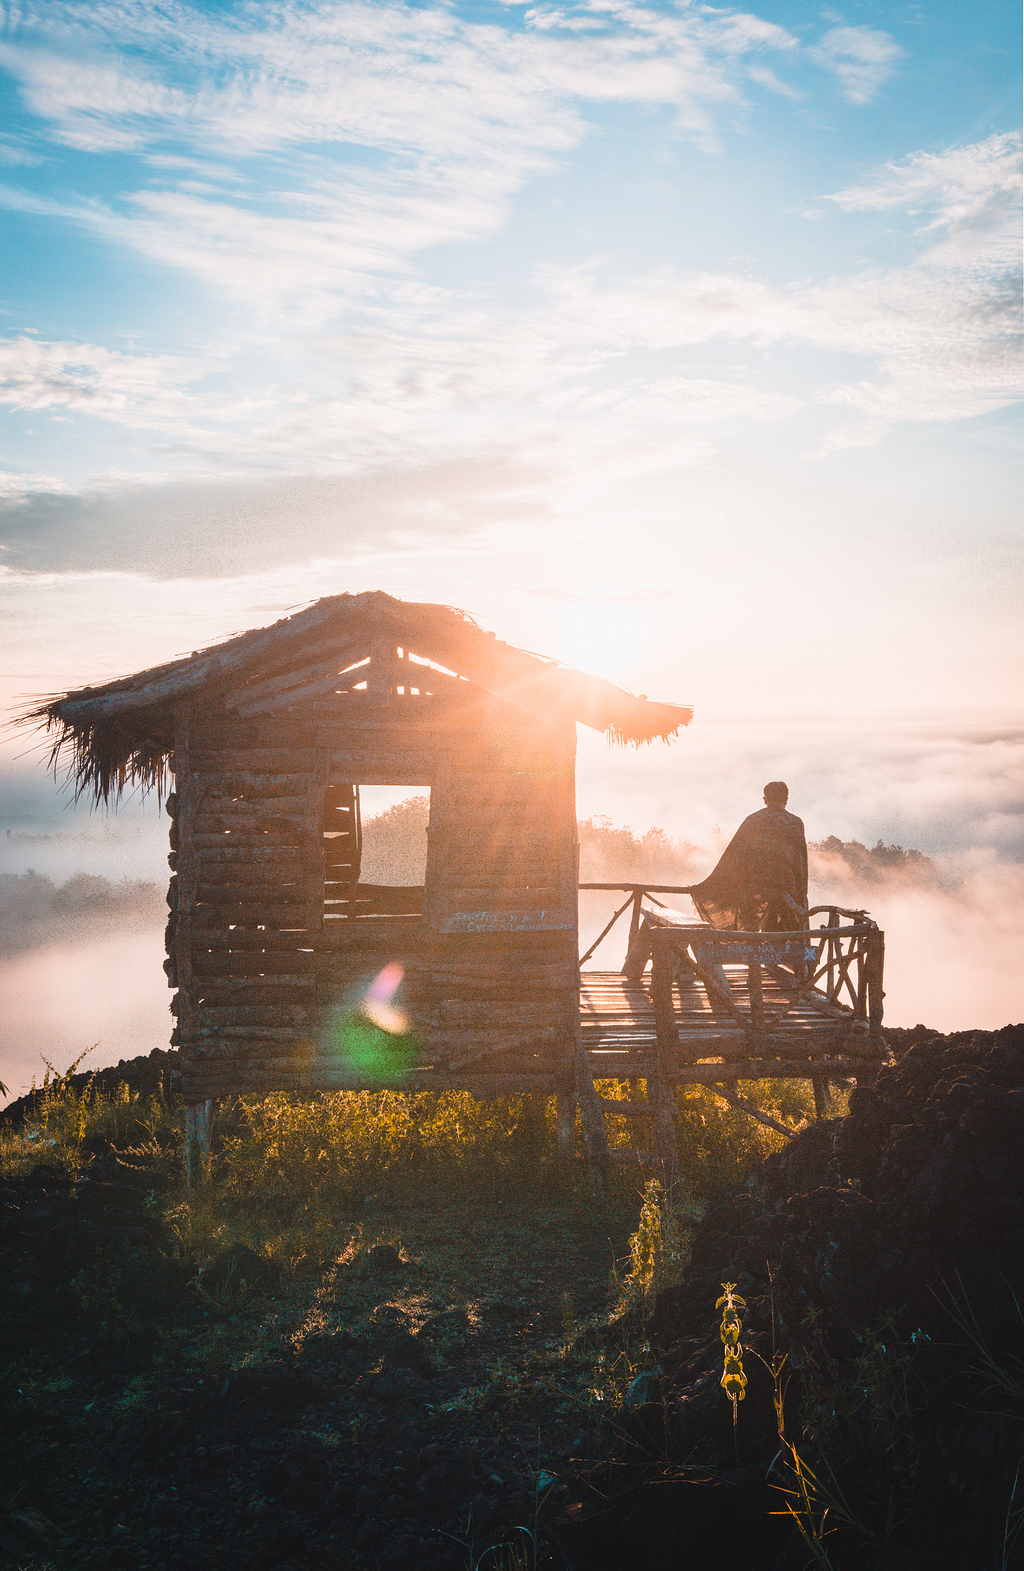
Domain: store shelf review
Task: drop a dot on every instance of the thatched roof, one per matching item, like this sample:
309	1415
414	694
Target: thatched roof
123	732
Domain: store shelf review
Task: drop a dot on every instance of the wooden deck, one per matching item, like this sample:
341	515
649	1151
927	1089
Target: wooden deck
817	1038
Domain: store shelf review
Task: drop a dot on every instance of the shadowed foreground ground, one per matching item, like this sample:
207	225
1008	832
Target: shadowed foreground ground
437	1375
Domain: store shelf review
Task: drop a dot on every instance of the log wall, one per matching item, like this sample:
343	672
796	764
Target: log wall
273	940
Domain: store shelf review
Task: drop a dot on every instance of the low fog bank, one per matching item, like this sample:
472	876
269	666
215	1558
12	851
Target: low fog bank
952	949
36	912
80	963
42	828
58	1000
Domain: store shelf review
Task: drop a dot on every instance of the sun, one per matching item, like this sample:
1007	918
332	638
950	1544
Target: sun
616	639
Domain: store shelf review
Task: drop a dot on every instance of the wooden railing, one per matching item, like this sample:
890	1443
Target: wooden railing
638	893
812	966
835	968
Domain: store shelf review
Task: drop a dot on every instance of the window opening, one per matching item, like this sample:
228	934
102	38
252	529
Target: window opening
374	867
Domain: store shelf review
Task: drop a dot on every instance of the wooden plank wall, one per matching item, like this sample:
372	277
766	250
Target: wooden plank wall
258	846
492	981
497	992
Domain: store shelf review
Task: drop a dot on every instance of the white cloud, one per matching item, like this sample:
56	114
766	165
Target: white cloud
402	127
134	389
328	74
948	328
863	58
976	187
576	385
15	487
767	78
385	130
943	330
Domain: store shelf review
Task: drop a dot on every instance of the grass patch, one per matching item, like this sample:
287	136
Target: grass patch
299	1181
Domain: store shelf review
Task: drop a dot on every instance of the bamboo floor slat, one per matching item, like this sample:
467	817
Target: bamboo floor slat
617	1026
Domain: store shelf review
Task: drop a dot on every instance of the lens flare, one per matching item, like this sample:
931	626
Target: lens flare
377	1005
372	1034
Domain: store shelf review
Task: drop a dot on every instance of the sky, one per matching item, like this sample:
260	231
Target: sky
679	342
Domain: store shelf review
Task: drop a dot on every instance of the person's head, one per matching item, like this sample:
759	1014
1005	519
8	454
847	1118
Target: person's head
776	793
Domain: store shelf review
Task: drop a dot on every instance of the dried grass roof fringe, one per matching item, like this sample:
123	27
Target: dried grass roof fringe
100	759
122	732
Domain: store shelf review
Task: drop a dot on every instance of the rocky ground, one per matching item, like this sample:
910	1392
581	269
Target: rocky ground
406	1407
883	1255
452	1380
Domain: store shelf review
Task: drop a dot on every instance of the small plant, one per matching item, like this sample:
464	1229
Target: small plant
656	1248
734	1381
810	1497
1003	1370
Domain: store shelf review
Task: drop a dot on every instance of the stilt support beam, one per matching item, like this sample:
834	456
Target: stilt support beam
198	1142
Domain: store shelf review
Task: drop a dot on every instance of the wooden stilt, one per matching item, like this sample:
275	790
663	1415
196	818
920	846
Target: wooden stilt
565	1123
198	1141
534	1120
595	1136
663	1108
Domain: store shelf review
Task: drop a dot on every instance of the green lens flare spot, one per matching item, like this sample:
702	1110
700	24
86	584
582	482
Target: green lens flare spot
371	1051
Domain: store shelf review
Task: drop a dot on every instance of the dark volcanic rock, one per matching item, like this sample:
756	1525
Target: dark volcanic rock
859	1234
241	1270
88	1249
384	1259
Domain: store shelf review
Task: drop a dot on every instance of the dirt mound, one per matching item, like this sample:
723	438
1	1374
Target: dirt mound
89	1254
882	1253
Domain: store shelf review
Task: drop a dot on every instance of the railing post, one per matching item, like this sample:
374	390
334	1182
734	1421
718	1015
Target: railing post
661	1053
875	969
861	1007
634	919
198	1142
662	975
756	995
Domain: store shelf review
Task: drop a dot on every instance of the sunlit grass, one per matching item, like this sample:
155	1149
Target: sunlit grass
290	1175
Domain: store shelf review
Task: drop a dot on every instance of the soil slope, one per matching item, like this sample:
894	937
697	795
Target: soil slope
882	1254
421	1399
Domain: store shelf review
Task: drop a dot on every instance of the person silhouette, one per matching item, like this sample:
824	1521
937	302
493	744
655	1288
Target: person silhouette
760	881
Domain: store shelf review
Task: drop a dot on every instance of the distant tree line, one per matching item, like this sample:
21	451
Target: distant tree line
609	852
34	910
876	864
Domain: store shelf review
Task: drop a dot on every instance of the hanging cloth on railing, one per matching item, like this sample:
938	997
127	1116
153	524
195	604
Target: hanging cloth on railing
760	877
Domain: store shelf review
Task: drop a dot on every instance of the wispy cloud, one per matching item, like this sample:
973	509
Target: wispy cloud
381	129
943	330
973	187
863	59
303	163
135	390
15	487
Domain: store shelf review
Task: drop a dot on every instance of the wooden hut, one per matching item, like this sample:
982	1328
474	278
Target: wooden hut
289	971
